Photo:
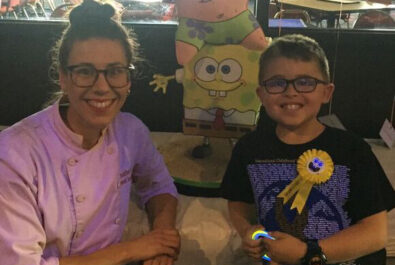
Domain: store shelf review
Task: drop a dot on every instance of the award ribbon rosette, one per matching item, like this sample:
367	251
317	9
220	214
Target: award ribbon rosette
314	167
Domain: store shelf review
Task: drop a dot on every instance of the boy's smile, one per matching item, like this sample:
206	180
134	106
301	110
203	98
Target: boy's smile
291	106
292	110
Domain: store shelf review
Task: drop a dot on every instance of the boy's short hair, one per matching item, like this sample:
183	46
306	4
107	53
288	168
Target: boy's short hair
295	46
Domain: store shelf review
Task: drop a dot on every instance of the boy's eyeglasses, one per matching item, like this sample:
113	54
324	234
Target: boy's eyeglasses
84	75
301	84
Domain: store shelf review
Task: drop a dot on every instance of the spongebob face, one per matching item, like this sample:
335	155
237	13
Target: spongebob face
222	77
218	77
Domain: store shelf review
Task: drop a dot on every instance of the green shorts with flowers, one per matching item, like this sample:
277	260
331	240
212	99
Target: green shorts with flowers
232	31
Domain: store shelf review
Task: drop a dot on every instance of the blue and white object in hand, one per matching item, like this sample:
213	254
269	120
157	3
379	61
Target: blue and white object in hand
259	234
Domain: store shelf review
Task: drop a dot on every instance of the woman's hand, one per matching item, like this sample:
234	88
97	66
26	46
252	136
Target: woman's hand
285	248
165	259
160	260
155	243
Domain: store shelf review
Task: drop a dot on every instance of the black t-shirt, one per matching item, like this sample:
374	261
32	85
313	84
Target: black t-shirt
261	167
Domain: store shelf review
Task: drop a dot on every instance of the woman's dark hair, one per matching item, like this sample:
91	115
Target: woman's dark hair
298	47
91	19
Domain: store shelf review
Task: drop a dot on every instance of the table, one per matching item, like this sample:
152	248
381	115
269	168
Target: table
332	8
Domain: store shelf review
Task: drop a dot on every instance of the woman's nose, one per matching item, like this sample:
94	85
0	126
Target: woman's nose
101	83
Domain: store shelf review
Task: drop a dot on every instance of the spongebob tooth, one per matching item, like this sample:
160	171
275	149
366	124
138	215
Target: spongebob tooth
212	93
222	93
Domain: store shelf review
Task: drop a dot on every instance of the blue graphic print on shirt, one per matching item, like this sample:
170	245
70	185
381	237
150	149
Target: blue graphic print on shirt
323	214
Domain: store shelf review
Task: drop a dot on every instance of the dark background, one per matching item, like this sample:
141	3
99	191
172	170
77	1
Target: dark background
364	73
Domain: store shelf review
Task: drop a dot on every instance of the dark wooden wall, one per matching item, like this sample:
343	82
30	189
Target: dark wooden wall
364	76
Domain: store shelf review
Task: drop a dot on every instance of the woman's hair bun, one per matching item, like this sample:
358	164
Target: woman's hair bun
91	10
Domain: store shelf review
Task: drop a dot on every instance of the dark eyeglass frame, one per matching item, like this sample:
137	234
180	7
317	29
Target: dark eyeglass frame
294	83
70	69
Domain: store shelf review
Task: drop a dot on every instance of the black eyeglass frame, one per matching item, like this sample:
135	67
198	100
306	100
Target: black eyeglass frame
70	69
292	81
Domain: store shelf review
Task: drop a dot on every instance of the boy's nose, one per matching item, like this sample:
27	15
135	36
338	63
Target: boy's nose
290	89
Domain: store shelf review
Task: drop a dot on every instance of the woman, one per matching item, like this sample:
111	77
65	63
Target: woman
66	172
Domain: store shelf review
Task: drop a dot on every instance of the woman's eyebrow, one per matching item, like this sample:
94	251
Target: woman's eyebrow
115	64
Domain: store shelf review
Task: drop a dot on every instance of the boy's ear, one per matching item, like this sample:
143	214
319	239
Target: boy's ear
329	89
259	92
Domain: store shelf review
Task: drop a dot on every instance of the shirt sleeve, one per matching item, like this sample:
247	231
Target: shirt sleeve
22	237
236	185
150	174
372	191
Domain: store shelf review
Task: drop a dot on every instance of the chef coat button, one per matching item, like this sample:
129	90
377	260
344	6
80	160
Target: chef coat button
78	234
117	221
110	150
80	198
72	162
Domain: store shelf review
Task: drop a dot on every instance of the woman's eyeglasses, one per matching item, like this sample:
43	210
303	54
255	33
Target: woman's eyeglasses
85	75
301	84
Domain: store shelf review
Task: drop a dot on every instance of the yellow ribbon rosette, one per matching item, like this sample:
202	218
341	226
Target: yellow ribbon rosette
314	167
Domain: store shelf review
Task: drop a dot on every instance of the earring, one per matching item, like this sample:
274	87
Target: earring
128	92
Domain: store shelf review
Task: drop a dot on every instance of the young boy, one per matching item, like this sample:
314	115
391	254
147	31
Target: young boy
320	191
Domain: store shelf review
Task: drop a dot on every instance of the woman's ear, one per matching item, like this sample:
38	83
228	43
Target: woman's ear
63	81
328	92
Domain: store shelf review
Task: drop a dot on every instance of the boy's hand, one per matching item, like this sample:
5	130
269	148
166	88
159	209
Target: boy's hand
254	248
285	249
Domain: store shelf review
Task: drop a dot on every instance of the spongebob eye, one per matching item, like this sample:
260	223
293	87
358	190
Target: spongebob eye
231	70
206	69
